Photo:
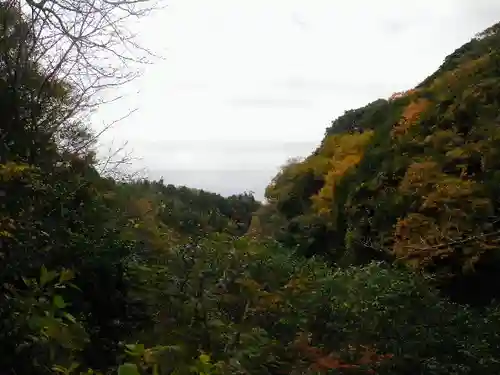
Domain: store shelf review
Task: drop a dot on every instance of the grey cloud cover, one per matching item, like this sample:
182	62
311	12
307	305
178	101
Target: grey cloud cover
245	82
270	103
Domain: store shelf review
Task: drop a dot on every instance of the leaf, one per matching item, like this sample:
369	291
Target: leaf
66	275
60	369
74	366
58	302
46	276
128	369
70	317
4	233
73	286
205	359
26	281
135	350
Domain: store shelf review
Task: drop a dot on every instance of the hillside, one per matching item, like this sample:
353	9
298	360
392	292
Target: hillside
413	178
188	212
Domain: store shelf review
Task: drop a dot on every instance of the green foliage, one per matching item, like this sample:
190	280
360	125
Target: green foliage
238	306
365	118
53	216
187	212
45	332
423	190
248	303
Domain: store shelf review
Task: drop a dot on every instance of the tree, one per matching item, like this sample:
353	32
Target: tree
423	189
77	49
87	43
54	212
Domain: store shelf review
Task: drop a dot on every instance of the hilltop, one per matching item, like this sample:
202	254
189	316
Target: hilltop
412	178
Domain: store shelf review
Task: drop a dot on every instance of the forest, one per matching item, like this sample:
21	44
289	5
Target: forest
377	254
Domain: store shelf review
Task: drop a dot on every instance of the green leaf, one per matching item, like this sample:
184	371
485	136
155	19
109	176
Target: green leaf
128	369
70	317
74	366
58	302
60	369
135	349
66	275
205	359
46	276
26	281
73	286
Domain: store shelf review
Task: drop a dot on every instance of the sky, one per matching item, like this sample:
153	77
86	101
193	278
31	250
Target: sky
244	85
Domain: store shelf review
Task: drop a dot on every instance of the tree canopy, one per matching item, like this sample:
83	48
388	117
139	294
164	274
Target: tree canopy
412	179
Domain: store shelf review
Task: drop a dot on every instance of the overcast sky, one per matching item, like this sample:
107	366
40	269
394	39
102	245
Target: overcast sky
247	84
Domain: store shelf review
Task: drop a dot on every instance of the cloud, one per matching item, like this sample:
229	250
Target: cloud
189	86
394	26
222	146
482	11
316	85
220	155
270	103
297	19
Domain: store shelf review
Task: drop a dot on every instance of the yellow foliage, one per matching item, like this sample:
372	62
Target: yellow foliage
322	201
319	164
5	234
282	185
337	155
441	191
447	213
448	191
342	144
421	240
11	170
340	153
410	116
416	239
419	176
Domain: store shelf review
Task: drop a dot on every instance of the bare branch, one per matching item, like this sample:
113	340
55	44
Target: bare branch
84	46
447	241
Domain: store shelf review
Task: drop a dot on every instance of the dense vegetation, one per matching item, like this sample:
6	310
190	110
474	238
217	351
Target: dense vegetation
413	179
100	275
